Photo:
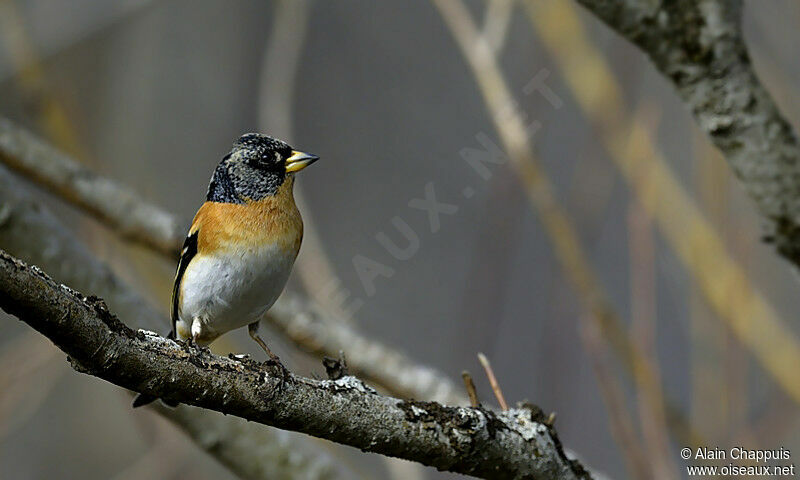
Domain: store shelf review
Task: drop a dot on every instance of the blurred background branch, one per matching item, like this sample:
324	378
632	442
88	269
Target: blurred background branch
125	211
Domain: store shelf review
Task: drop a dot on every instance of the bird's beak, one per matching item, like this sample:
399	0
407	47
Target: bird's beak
299	160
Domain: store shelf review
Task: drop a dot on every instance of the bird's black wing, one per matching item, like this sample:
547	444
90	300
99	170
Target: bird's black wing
187	254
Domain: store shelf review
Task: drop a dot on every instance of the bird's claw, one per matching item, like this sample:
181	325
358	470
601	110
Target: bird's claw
285	374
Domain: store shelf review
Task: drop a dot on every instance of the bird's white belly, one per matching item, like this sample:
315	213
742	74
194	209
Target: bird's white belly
229	290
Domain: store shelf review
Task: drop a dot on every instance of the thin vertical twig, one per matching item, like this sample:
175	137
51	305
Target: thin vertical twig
498	392
470	387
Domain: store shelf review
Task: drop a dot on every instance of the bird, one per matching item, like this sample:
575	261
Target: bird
241	245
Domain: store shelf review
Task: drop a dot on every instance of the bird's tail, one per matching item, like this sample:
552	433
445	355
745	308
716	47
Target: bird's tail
141	400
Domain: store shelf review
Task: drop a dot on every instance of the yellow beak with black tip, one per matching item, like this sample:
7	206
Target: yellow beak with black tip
299	160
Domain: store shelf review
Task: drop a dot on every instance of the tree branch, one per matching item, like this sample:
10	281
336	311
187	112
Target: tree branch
699	46
514	444
30	231
118	207
299	319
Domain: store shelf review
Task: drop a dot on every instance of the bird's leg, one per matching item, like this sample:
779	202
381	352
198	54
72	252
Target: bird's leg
193	333
252	329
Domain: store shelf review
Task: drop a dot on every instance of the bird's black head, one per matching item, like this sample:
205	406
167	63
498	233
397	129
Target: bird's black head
256	167
262	152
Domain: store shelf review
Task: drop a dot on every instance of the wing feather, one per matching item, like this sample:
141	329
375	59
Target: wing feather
188	252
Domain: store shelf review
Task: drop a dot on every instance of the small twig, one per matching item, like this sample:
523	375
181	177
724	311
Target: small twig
649	395
470	386
551	419
493	381
335	368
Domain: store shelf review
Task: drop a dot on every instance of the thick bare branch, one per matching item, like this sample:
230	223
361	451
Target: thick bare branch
474	441
300	320
699	46
31	232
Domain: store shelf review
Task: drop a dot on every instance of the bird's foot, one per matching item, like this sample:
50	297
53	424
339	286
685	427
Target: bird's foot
285	374
274	360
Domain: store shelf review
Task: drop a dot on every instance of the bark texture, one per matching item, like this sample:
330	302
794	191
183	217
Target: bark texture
699	46
473	441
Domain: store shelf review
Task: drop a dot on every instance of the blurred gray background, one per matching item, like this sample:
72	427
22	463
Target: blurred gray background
155	91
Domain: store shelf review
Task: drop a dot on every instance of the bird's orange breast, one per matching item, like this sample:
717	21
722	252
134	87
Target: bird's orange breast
253	224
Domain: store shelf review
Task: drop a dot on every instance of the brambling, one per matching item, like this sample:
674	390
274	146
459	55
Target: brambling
242	243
